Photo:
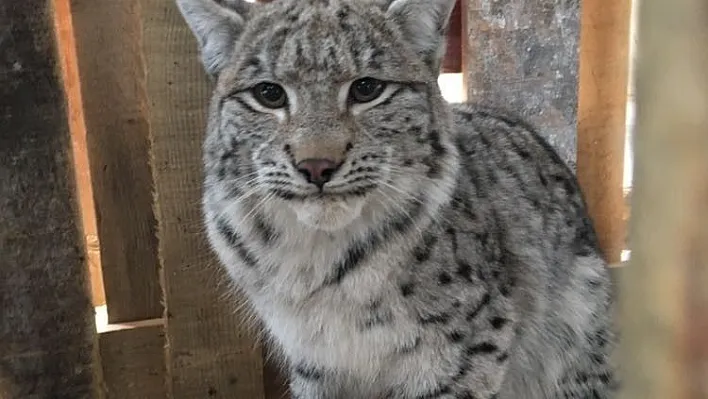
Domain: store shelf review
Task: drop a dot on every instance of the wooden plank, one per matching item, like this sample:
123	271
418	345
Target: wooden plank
663	292
70	76
452	63
604	70
46	325
275	381
522	56
209	352
113	90
133	362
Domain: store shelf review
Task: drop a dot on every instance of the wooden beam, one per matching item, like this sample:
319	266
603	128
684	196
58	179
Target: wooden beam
72	87
663	291
46	326
115	108
522	56
210	352
452	63
133	362
604	70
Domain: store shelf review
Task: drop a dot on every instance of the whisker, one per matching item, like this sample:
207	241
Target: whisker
368	177
238	179
247	194
401	209
260	204
399	191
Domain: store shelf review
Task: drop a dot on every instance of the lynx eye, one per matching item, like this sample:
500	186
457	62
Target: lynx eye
366	90
270	95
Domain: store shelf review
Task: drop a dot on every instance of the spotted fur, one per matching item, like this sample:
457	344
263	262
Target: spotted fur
450	255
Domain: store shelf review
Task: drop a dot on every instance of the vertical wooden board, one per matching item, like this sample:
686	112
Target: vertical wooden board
664	293
133	363
209	352
452	63
113	90
46	323
67	54
604	70
523	56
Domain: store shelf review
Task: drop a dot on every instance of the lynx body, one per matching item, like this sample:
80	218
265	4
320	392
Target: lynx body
393	245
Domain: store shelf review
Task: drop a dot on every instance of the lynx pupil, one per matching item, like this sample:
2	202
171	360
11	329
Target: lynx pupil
270	95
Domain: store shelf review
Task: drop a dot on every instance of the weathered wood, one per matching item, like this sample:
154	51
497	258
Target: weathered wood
275	380
113	89
663	291
452	63
523	56
604	70
70	75
46	324
133	362
210	353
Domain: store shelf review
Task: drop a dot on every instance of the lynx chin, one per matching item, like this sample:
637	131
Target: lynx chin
393	245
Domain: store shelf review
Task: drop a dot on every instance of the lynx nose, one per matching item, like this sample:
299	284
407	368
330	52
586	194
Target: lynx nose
317	170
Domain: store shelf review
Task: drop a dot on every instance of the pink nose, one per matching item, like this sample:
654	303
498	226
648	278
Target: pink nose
317	170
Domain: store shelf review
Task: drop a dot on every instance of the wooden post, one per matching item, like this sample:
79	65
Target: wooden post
452	63
523	56
72	87
665	289
210	352
115	108
114	98
604	70
46	320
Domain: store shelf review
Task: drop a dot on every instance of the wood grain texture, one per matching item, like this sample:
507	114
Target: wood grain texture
134	363
523	56
452	63
663	291
113	89
72	87
275	380
604	70
46	323
210	353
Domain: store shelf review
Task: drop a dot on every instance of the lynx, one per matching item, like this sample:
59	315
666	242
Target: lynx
393	245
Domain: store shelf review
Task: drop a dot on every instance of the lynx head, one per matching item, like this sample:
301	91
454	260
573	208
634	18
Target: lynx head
325	107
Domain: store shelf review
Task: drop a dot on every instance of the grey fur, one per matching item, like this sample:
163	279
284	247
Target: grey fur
450	256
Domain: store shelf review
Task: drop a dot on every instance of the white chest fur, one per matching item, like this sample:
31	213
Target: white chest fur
314	321
329	333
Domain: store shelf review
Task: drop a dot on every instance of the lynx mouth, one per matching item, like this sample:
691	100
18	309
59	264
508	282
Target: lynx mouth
328	211
324	195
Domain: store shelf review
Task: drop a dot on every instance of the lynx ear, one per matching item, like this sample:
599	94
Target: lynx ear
424	24
216	28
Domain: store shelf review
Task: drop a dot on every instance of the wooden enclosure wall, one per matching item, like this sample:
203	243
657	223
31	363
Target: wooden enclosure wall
144	96
77	127
112	80
603	92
